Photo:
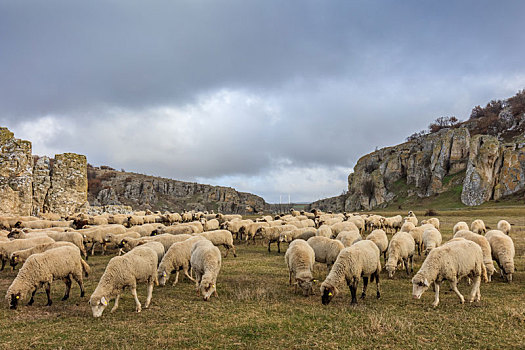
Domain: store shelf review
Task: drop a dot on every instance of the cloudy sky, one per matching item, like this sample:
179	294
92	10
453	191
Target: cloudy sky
271	97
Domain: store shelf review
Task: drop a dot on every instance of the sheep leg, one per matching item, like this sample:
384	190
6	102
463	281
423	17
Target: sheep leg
278	247
353	291
3	265
436	289
104	248
187	275
32	300
116	303
365	285
475	294
269	242
234	252
150	294
93	249
137	302
405	261
412	264
454	286
227	250
377	285
48	292
67	281
289	277
176	278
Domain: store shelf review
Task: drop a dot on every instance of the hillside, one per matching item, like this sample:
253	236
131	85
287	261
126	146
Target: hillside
453	164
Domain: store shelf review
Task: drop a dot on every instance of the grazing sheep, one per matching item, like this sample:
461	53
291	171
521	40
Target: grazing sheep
273	235
42	269
504	227
452	261
326	249
401	248
210	225
300	260
298	233
138	265
20	256
407	227
7	248
72	237
95	235
325	231
432	221
417	234
237	227
478	226
380	239
411	219
460	226
349	237
503	252
358	221
343	226
174	230
252	229
127	244
157	247
431	239
177	258
117	239
359	260
392	224
206	263
221	237
485	248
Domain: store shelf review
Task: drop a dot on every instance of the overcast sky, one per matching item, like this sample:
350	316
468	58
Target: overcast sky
270	97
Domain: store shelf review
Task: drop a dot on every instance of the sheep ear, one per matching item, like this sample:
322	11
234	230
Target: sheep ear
426	282
103	301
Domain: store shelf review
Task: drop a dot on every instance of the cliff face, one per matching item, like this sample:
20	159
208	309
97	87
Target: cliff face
110	187
29	188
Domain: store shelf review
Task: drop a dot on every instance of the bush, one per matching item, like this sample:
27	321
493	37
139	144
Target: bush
416	135
443	122
431	212
517	103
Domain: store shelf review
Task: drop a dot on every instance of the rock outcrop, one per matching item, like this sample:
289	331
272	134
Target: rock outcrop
111	187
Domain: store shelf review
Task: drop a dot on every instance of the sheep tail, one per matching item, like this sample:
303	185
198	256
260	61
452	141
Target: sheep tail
85	267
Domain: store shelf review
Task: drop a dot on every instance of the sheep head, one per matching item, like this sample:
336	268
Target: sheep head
419	286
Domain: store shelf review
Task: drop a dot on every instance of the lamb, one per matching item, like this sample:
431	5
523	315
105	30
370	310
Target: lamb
221	237
431	239
485	248
206	263
349	237
478	226
433	221
138	265
380	239
460	226
401	247
20	256
503	252
6	248
177	258
326	249
504	227
42	269
359	260
298	233
452	261
300	260
325	231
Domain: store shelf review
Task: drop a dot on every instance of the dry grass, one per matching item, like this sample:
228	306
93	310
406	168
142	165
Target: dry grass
257	309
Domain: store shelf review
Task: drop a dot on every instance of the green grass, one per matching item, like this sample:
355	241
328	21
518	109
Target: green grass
257	309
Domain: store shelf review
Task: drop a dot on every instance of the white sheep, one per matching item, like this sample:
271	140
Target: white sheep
325	231
177	258
300	260
273	234
401	248
380	239
299	233
221	237
62	263
432	221
485	248
452	261
478	226
503	252
326	249
411	219
206	264
504	227
460	226
417	234
431	239
407	227
7	248
138	265
343	226
349	237
359	260
393	223
20	256
157	247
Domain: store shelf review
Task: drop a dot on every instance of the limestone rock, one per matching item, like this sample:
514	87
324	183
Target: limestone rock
41	184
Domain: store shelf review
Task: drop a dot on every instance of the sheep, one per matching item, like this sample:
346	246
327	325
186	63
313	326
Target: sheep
147	229
6	248
210	225
96	235
326	249
503	252
300	260
432	221
138	265
174	230
504	227
20	256
431	239
452	261
98	220
373	222
460	226
478	226
358	221
485	248
134	220
72	237
417	234
127	244
117	239
187	217
359	260
349	237
407	227
411	219
298	233
42	269
177	258
401	247
343	226
238	227
195	225
157	247
273	235
221	237
393	223
205	263
251	230
380	239
325	231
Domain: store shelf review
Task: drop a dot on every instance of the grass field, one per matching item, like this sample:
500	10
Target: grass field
257	309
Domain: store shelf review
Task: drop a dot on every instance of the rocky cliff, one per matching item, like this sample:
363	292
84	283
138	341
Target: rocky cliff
111	187
29	187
